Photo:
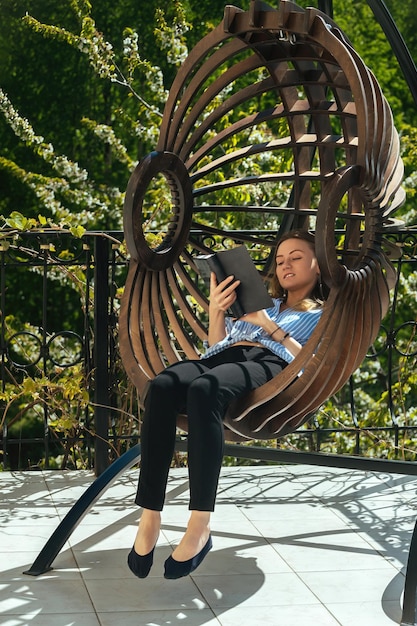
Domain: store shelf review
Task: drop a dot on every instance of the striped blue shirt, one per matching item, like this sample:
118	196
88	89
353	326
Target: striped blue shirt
300	325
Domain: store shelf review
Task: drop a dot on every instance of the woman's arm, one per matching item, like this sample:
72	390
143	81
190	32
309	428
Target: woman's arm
222	296
262	319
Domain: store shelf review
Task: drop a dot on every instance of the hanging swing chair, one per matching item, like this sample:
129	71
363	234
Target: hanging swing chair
273	122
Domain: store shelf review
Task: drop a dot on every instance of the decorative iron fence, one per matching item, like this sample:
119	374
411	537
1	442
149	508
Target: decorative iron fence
65	400
59	299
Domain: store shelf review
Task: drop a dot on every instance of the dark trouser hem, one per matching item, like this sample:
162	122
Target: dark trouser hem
144	503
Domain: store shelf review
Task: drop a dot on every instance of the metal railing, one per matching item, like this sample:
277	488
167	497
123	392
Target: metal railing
59	299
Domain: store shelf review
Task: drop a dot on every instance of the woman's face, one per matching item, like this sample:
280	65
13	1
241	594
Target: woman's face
297	268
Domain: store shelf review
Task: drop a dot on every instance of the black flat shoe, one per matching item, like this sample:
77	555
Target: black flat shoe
177	569
140	565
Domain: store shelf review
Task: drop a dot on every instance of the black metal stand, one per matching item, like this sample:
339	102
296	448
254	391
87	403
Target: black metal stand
45	558
409	616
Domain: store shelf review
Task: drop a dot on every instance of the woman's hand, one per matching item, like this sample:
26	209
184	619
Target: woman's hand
259	318
222	295
262	319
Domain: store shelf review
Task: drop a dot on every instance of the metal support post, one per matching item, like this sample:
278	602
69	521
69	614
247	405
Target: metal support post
101	354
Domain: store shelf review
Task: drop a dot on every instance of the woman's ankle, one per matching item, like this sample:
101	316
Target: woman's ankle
148	531
195	537
199	520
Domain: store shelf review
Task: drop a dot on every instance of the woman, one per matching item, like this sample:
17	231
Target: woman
243	354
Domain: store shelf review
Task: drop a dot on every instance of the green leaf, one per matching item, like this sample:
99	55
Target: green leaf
77	231
19	221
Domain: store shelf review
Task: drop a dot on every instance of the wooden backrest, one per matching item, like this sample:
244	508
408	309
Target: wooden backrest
275	119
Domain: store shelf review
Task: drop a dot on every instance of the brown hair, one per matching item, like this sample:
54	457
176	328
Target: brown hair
319	292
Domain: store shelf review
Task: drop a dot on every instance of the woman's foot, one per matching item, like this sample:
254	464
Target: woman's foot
140	566
177	569
195	537
140	558
193	547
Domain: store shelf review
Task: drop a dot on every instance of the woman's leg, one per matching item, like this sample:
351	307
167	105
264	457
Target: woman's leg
208	398
166	397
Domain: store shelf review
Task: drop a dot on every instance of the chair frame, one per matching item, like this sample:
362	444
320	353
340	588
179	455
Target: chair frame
339	131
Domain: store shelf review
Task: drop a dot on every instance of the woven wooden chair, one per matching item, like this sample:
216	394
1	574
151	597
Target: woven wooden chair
275	106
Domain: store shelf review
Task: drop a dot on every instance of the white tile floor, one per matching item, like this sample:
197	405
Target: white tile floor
293	546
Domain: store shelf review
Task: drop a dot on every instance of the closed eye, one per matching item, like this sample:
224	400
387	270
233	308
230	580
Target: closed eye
295	258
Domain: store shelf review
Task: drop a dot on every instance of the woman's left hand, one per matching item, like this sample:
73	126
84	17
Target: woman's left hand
258	318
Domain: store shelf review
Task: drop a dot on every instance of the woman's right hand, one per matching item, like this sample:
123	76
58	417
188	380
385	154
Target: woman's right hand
223	294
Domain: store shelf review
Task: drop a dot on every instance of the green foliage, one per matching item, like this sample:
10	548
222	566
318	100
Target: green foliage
119	74
66	396
121	94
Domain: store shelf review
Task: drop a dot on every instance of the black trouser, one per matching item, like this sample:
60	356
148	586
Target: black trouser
203	390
